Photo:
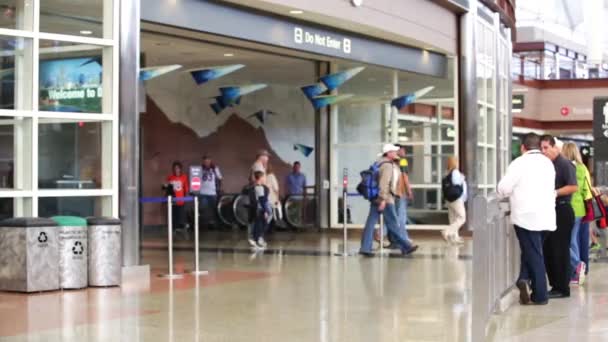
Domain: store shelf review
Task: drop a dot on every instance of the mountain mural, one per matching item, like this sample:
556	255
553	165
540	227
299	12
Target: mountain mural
233	147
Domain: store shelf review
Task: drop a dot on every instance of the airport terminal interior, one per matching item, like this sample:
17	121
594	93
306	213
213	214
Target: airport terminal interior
102	240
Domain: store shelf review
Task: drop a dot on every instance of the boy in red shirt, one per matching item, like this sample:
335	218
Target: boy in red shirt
179	182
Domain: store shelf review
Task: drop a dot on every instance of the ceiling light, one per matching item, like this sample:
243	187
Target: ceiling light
86	32
228	55
296	12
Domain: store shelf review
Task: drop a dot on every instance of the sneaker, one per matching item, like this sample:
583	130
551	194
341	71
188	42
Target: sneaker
595	247
411	250
457	240
524	291
262	243
581	269
445	236
252	243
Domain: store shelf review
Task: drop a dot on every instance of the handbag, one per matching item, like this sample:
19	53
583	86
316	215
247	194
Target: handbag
594	207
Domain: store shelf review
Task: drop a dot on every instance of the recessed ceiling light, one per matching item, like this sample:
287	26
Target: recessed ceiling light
228	55
86	32
296	12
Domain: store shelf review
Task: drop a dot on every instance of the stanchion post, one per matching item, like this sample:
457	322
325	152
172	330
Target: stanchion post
344	215
170	275
197	270
381	233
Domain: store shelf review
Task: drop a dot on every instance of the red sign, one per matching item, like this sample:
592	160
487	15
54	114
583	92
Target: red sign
195	183
565	111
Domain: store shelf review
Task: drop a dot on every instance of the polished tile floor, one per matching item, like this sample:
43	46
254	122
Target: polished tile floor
287	295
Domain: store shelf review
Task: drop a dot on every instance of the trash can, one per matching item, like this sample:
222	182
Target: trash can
72	235
29	255
105	253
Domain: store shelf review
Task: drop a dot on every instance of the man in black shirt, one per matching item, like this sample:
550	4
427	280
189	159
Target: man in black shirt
556	248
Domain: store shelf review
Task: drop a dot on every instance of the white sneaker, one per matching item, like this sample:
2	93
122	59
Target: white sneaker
445	236
252	243
457	240
262	243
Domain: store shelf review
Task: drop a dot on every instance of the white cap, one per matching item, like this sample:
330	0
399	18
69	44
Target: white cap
389	148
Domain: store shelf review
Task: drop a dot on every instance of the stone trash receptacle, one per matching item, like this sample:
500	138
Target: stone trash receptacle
105	252
72	235
29	255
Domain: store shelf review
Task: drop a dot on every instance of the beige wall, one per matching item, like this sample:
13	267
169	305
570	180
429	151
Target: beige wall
413	22
546	104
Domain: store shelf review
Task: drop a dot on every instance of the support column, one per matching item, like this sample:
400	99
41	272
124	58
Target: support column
129	131
467	95
322	161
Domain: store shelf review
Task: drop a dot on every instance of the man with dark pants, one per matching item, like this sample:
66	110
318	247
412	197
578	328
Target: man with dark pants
529	183
557	244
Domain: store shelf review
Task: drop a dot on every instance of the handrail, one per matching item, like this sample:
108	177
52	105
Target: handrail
288	204
496	258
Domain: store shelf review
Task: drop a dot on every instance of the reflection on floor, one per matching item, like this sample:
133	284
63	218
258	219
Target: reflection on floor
287	295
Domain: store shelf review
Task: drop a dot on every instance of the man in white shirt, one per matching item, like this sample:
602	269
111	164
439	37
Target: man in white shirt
529	183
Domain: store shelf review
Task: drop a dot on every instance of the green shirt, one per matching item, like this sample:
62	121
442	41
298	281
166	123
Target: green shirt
583	193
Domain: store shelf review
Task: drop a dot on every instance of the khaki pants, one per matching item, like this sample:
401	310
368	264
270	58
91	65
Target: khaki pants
457	215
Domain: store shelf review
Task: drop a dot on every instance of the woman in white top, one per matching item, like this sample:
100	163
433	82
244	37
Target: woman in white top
275	193
456	209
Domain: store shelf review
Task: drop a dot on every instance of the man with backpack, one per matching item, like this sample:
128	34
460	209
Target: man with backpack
454	190
379	185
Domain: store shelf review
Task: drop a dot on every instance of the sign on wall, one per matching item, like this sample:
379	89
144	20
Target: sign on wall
518	101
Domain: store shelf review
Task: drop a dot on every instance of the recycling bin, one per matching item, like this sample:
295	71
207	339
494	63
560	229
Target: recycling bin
105	254
29	255
72	236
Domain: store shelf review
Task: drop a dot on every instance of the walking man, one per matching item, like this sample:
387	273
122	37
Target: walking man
529	184
384	204
557	244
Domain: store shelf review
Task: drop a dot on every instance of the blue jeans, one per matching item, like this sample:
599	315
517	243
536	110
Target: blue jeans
532	262
401	205
390	223
579	244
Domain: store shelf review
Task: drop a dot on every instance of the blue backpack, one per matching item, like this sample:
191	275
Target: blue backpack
369	186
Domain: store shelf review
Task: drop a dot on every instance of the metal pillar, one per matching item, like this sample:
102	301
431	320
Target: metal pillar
129	131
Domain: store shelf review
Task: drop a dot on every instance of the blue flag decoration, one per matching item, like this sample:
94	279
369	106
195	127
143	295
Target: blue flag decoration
146	74
313	90
326	100
262	115
305	150
335	81
231	96
402	101
204	75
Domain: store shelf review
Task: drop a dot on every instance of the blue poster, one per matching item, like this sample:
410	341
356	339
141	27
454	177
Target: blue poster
71	85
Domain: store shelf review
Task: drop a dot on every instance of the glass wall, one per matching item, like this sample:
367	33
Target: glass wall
366	121
58	110
494	57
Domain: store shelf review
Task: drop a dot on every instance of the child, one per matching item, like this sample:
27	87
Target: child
261	210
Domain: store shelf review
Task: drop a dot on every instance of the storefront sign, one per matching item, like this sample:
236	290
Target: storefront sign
518	101
600	128
216	18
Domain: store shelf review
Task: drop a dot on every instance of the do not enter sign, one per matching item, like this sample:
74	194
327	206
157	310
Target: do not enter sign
196	172
565	111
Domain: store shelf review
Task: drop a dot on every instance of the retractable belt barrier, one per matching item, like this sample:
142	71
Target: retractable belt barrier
170	200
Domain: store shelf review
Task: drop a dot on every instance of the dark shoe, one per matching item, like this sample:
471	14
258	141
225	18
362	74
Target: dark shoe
524	291
367	254
393	246
554	294
411	250
538	303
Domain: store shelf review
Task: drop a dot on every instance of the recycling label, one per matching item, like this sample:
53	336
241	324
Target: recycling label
42	239
77	249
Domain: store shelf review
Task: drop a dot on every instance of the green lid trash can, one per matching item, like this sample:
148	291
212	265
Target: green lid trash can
29	255
73	251
105	253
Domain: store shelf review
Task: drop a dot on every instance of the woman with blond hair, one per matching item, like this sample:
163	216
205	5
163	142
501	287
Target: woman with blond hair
579	242
454	188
